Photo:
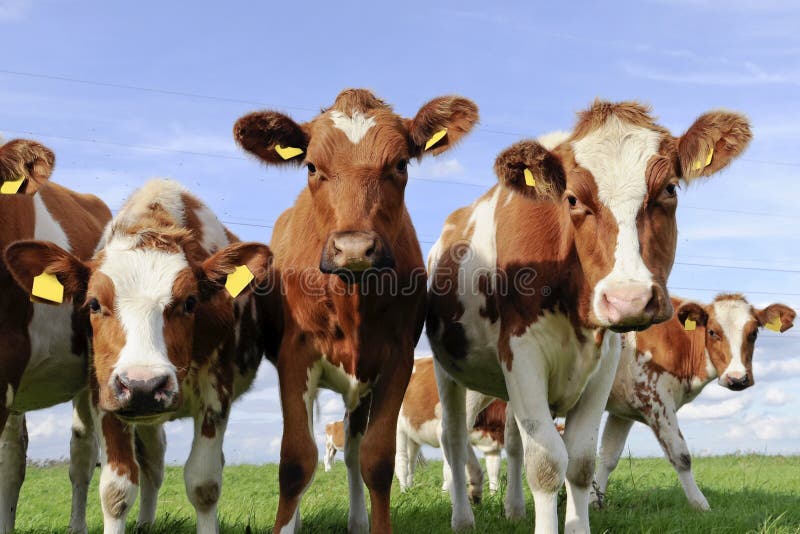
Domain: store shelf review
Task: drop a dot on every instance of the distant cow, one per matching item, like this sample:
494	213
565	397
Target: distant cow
577	239
42	361
420	423
668	365
334	441
353	278
167	340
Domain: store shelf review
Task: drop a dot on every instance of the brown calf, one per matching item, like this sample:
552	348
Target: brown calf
166	340
353	279
420	423
668	365
334	441
42	361
579	236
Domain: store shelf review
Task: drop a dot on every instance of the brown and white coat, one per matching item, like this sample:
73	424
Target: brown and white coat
166	340
666	367
42	361
578	237
420	423
353	277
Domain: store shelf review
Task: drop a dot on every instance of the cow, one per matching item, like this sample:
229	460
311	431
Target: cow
353	281
420	423
530	284
167	340
42	362
334	441
668	365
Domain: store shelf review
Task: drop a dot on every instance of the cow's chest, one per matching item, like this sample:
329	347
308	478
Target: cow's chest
53	374
565	356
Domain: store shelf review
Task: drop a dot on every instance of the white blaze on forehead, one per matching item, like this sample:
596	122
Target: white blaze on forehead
733	315
355	126
143	279
617	154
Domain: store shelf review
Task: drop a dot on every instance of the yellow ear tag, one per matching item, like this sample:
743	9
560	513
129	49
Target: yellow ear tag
435	138
689	325
699	165
775	325
529	181
12	187
238	280
288	152
46	286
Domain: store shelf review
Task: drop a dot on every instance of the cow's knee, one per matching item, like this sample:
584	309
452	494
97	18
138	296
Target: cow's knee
377	471
294	474
580	471
204	495
117	493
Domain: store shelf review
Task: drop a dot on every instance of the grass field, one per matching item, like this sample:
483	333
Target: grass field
747	494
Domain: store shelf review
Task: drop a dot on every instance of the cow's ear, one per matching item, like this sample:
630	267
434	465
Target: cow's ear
25	166
712	142
693	312
272	137
778	317
529	168
440	124
238	268
29	260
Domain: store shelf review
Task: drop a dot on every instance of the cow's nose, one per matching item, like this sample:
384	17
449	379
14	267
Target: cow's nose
354	252
627	304
142	391
738	382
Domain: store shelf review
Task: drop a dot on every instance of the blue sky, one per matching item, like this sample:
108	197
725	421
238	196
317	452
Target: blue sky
170	78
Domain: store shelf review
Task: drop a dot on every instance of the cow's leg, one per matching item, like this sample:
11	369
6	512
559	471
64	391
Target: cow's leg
580	435
13	446
330	454
119	474
402	469
412	448
664	423
83	455
493	462
544	450
355	427
151	445
515	495
615	433
454	441
377	447
299	456
202	474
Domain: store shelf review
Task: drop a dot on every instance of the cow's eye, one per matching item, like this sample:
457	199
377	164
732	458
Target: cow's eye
94	306
573	200
311	168
402	165
190	304
713	334
671	189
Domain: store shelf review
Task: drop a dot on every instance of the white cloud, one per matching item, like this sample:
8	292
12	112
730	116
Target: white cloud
777	397
765	370
720	410
710	71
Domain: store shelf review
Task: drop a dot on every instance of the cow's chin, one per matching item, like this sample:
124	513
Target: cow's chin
144	419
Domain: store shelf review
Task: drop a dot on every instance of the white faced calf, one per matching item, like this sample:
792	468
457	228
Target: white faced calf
668	365
164	340
578	237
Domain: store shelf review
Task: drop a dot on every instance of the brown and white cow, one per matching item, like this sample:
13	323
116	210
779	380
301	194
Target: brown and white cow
667	366
42	362
353	278
420	423
167	340
334	441
577	238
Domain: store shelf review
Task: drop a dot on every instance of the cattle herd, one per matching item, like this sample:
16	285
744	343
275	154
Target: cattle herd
545	298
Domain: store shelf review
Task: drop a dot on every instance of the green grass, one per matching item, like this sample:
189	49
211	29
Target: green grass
747	493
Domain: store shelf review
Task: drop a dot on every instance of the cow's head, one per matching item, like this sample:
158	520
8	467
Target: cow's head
617	177
25	166
731	327
155	299
357	154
